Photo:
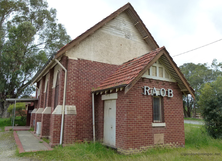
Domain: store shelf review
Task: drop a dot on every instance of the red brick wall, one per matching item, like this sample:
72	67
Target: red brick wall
134	116
55	127
82	76
45	125
69	136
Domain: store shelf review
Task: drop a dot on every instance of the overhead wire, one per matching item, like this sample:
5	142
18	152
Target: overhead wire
197	48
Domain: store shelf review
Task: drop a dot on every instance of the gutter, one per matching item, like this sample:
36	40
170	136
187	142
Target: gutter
64	98
47	64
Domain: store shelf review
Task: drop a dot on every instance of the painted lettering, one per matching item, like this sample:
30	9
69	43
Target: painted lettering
170	93
162	92
154	91
146	90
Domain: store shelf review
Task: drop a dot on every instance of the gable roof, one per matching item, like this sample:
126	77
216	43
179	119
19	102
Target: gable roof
130	72
128	8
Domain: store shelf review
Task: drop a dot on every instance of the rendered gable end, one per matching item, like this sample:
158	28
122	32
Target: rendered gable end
116	42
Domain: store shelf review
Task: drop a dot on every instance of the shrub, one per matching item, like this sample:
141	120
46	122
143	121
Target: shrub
211	107
20	109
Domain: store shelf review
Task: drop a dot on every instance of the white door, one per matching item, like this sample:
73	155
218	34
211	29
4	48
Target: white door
109	135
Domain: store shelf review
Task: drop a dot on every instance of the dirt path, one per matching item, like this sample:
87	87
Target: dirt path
8	147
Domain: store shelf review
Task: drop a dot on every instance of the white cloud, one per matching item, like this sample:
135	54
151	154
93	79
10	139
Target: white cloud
178	25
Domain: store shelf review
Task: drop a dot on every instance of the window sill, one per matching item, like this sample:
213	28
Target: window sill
159	124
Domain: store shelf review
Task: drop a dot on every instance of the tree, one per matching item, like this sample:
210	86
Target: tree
197	75
29	34
211	107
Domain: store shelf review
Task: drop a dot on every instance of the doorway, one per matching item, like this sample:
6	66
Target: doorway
109	135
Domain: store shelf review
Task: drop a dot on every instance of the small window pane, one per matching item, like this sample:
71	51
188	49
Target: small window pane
154	71
157	110
148	71
166	74
161	72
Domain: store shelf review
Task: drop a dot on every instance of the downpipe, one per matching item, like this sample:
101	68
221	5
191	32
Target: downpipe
63	104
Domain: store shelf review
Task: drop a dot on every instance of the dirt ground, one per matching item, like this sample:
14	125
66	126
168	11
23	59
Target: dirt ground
8	147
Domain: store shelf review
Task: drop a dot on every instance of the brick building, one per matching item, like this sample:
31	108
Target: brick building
112	84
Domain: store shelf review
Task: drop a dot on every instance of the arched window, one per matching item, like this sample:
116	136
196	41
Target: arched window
46	93
56	91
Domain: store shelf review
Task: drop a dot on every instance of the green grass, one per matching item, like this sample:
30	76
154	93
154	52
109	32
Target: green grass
194	119
46	140
7	122
31	129
199	146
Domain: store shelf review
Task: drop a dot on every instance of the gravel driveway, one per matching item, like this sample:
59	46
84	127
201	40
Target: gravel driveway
8	147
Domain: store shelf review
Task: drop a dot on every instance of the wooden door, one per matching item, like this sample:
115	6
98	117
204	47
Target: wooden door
109	135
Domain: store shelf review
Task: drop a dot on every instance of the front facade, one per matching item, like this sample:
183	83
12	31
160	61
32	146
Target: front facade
111	84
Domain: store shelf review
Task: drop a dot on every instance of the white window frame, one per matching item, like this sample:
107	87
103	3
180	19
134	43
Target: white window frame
159	123
148	73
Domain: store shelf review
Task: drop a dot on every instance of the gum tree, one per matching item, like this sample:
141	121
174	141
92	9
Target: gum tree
29	33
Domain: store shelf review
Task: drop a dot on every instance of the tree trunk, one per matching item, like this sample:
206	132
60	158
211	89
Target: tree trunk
4	106
1	108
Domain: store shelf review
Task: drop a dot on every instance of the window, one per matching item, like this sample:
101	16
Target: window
161	72
46	93
158	109
149	71
56	91
154	71
166	75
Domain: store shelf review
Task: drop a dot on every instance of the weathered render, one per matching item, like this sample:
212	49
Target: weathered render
116	42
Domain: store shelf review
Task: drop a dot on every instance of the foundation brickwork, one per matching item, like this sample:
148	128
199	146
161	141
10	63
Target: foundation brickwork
69	136
55	127
45	125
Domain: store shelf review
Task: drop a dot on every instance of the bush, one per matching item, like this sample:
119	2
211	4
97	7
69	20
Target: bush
20	109
211	107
